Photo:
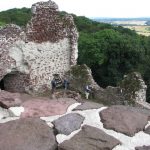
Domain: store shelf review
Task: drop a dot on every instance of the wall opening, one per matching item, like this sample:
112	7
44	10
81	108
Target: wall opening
2	86
14	82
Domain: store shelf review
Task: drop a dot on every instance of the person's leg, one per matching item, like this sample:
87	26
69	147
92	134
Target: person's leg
86	95
65	86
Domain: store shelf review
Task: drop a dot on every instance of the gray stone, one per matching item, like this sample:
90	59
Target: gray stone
26	134
88	105
8	99
123	119
147	130
143	148
68	123
134	87
90	138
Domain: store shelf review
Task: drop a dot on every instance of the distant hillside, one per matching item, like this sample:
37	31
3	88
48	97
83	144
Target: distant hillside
108	20
16	16
110	51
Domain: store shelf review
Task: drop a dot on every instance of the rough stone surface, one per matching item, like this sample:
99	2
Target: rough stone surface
68	123
123	119
143	148
47	46
111	96
79	76
26	134
133	87
8	35
88	105
43	108
89	138
147	130
8	99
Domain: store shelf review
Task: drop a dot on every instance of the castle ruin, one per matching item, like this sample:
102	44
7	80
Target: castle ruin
29	57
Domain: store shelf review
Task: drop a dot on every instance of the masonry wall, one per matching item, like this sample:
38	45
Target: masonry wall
47	46
41	61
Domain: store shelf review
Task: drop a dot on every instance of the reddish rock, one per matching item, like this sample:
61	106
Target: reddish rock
90	138
26	134
8	99
123	119
43	108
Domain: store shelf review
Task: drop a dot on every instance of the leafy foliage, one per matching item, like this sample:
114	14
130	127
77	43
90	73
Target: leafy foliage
110	51
16	16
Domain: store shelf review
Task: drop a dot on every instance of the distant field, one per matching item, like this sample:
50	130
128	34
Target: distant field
130	22
143	30
138	25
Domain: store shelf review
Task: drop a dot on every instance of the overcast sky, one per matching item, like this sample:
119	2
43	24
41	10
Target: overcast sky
91	8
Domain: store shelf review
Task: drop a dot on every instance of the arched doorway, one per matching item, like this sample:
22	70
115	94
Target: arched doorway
14	82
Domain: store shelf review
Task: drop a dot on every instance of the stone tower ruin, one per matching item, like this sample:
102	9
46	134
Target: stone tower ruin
29	57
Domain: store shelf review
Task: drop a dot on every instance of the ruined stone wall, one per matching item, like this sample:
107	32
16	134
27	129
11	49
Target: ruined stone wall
41	61
48	25
8	35
47	46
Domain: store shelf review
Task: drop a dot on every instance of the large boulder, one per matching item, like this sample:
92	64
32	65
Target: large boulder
124	119
44	108
47	46
68	123
27	134
8	99
110	96
89	138
133	87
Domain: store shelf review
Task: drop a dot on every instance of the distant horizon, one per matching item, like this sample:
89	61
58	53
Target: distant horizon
119	17
91	9
93	17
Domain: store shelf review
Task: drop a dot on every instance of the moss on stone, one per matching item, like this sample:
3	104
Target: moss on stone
80	73
131	85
